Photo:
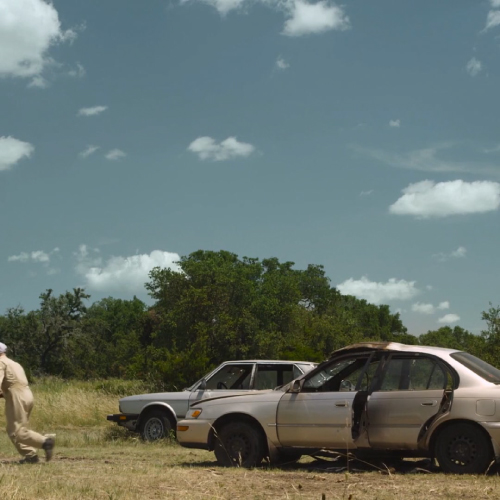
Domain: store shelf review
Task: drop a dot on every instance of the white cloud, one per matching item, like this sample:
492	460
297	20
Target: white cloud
89	150
207	149
448	319
460	252
94	110
378	293
115	154
427	199
281	63
306	18
39	82
395	123
119	274
492	20
366	193
426	160
36	257
12	150
223	6
78	72
302	17
421	308
28	29
474	67
495	4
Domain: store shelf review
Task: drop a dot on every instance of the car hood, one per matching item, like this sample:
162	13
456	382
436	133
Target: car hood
158	396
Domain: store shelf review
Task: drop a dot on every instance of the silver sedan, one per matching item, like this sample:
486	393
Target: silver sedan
371	399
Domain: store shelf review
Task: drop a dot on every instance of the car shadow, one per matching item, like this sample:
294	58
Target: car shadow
351	464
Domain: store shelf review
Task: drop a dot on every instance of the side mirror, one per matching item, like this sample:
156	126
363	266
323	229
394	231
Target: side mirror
296	386
203	385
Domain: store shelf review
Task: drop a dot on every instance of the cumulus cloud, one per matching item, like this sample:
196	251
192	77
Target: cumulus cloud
28	29
427	160
429	308
427	199
448	319
474	67
378	293
115	154
93	111
459	253
13	150
308	18
121	274
89	150
395	123
302	17
281	63
207	149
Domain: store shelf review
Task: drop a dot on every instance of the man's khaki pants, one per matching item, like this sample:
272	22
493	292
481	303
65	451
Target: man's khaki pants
18	406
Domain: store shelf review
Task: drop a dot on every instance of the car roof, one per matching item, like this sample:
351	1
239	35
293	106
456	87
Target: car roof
393	346
276	361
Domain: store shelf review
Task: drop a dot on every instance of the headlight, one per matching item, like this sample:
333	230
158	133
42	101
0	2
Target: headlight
194	413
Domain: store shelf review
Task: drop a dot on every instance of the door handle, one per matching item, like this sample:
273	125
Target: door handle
342	404
429	403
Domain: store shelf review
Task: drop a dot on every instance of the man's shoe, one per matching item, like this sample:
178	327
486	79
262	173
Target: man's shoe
33	459
48	446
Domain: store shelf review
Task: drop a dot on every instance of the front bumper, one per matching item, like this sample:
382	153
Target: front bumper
127	420
192	433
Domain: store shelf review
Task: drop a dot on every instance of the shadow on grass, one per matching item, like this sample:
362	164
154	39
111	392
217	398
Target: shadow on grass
341	464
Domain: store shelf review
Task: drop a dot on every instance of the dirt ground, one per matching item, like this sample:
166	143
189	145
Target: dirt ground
136	470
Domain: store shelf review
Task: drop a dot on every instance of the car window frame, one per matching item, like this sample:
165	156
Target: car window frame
368	354
448	369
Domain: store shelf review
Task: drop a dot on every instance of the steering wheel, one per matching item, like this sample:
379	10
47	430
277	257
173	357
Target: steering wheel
221	385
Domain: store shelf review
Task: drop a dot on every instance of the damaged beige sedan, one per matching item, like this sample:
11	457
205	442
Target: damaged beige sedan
372	400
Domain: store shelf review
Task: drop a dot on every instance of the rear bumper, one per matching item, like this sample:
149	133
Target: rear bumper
127	420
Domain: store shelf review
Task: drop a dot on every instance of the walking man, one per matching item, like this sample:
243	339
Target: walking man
18	405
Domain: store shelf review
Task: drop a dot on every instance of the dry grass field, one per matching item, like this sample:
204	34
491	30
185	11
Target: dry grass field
96	460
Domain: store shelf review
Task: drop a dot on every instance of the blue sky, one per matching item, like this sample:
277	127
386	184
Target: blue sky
361	135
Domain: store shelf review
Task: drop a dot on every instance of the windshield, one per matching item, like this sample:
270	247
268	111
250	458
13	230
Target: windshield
478	366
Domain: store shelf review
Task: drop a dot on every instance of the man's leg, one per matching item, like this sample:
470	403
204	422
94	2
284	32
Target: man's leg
16	422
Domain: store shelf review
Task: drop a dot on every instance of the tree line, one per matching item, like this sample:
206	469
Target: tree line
217	307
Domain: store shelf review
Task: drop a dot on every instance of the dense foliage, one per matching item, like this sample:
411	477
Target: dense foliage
217	307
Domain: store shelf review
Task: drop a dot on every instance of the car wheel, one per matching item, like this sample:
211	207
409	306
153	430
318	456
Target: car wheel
463	449
239	444
155	425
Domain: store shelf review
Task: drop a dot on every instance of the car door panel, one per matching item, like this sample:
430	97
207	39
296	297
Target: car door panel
410	395
320	420
396	417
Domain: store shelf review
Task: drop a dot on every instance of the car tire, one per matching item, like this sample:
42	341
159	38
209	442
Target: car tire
239	444
155	425
463	449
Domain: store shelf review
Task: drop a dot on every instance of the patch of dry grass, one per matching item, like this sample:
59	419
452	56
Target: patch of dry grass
96	460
